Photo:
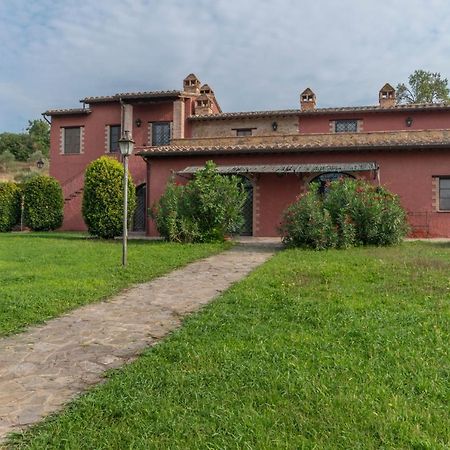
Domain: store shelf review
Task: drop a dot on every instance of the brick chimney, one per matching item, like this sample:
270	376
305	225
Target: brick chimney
307	100
387	96
191	84
203	105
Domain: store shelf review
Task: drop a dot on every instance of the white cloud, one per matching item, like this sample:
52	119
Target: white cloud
255	54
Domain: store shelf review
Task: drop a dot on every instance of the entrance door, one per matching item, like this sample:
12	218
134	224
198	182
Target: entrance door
247	210
140	212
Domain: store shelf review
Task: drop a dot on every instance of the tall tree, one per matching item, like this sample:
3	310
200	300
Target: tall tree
424	87
39	132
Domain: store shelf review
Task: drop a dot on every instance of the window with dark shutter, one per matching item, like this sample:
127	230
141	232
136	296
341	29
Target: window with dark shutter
72	140
161	133
346	126
114	136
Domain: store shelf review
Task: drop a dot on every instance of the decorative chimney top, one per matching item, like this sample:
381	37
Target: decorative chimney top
307	100
387	96
206	90
203	105
191	84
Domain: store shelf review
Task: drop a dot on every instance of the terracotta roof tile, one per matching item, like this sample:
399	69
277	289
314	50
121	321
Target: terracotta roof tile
304	143
333	110
66	112
131	95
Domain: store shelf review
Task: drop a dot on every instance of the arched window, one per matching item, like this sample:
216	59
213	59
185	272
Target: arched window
325	178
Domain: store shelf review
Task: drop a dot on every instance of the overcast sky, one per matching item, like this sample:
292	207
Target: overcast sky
255	54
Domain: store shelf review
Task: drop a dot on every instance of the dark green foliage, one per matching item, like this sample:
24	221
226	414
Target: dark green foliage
19	144
351	213
204	210
103	198
22	145
10	200
43	200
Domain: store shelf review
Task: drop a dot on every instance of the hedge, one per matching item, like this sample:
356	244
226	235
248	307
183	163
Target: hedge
43	203
10	200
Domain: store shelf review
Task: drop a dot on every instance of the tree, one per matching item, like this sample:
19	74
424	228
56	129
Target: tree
39	132
424	87
19	144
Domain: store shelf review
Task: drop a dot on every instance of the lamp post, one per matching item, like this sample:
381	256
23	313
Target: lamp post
40	163
126	149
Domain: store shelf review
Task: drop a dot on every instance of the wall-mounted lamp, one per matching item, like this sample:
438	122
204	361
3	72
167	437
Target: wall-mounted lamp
409	121
138	122
274	126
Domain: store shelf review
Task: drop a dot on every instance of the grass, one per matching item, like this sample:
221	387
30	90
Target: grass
314	350
43	275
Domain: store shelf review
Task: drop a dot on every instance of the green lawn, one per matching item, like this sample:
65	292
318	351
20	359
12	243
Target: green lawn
43	275
315	350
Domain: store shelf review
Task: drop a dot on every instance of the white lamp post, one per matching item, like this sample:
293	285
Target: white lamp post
126	149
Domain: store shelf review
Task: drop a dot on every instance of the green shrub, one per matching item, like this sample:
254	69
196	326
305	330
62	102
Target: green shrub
306	223
10	201
352	212
43	203
206	209
102	206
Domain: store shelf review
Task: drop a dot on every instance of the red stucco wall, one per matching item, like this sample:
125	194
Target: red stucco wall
408	174
69	169
380	121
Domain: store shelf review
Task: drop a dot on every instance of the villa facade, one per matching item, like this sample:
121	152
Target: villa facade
277	153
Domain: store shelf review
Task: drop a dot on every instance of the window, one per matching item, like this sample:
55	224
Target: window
114	136
346	126
72	140
326	178
161	133
243	131
444	194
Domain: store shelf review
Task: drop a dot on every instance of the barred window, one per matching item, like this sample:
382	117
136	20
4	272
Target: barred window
114	136
346	126
161	133
444	194
72	140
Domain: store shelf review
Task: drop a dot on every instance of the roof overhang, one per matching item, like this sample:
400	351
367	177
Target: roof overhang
288	168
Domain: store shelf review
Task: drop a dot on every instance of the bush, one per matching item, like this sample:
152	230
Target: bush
10	205
102	206
206	209
43	203
351	213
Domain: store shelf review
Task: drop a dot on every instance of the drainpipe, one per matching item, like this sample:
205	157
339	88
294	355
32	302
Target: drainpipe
45	118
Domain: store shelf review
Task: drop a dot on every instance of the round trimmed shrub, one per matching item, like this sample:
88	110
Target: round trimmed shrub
10	200
359	212
43	203
102	206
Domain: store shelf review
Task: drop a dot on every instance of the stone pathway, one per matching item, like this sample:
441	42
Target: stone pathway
45	367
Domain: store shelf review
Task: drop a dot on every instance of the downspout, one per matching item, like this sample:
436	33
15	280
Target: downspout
45	118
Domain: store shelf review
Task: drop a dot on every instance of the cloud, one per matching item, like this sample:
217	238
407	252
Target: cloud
255	54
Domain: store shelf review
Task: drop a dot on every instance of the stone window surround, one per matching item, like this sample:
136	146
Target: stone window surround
62	140
359	125
435	193
108	138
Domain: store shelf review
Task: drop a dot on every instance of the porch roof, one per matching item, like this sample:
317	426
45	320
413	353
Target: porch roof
288	168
